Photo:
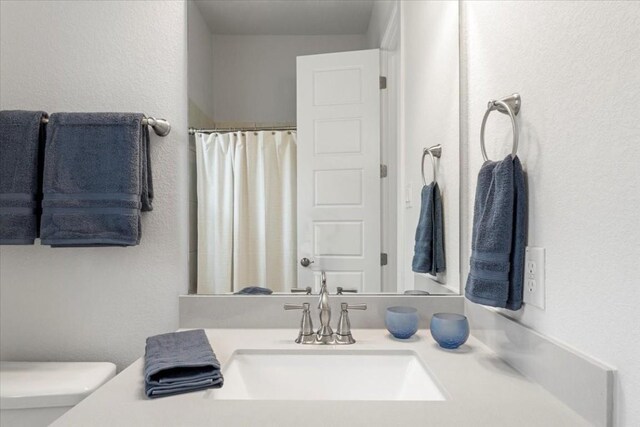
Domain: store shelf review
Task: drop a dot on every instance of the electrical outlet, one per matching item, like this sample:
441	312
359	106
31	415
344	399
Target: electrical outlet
534	288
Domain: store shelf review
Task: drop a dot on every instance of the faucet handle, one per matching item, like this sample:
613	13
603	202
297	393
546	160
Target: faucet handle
306	290
356	306
340	290
305	335
343	333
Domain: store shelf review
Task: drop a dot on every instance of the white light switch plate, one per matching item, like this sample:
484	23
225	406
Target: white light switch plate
534	286
408	196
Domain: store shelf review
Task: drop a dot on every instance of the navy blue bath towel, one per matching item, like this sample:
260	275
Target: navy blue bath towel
97	179
21	157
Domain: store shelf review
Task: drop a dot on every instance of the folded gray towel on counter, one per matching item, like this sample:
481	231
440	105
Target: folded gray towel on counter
21	155
498	243
254	290
180	362
429	254
97	179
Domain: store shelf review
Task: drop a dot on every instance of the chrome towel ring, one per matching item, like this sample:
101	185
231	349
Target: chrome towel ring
433	152
509	105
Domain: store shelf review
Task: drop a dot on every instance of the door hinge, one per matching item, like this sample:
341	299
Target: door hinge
383	171
383	259
383	82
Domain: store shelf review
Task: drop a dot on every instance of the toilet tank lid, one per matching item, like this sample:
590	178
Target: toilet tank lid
50	384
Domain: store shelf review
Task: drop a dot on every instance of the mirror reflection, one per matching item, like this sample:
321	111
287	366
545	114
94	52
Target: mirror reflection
325	138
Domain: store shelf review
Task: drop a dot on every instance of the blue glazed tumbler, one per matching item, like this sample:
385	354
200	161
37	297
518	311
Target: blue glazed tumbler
450	330
402	322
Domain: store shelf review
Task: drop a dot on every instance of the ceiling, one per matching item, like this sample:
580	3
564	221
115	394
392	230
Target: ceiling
286	17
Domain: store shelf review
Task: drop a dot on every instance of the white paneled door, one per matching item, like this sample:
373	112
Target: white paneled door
338	119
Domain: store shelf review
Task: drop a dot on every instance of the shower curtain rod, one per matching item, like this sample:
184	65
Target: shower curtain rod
160	126
193	131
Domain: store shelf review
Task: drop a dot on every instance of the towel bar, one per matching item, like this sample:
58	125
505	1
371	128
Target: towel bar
509	105
161	127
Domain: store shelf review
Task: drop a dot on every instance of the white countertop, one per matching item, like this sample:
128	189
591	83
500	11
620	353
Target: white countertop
482	391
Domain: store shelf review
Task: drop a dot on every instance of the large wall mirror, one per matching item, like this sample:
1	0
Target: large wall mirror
321	129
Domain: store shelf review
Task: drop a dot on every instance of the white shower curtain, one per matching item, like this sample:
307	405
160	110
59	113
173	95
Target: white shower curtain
246	183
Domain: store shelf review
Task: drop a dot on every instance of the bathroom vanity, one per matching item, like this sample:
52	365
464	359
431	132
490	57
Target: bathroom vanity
465	387
365	108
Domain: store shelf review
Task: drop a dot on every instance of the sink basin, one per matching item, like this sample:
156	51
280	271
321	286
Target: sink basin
327	375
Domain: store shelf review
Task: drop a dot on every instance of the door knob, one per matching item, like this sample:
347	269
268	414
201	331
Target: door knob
305	262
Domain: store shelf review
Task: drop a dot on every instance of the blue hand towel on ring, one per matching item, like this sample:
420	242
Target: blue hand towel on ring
498	244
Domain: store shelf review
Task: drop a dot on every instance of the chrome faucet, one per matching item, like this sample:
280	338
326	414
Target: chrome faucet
325	334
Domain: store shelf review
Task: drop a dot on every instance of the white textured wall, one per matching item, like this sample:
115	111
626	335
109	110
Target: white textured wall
200	45
431	116
380	17
254	77
98	303
577	67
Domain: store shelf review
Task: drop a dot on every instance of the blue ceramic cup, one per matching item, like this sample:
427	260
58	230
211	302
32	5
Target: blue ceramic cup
450	330
402	322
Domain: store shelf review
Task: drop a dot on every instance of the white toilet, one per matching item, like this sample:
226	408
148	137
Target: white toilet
34	394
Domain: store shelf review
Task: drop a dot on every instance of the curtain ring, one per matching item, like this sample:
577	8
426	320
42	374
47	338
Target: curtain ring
493	105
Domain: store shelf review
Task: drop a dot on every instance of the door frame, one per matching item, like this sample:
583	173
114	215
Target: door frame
391	149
